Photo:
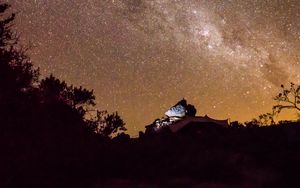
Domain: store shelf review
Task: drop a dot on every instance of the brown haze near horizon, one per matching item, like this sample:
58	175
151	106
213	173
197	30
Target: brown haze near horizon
228	58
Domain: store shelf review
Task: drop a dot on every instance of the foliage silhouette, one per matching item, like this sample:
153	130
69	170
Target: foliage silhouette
21	89
266	119
107	124
49	137
42	122
289	97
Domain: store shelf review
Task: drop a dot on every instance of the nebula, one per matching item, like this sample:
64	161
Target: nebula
227	57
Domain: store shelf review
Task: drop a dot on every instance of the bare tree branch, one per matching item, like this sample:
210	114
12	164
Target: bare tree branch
289	96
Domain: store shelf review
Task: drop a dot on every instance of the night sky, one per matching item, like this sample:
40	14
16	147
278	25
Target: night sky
227	57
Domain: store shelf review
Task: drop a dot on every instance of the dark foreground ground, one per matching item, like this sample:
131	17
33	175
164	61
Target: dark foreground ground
230	157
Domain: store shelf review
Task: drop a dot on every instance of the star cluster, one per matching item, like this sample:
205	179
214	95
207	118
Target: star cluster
227	57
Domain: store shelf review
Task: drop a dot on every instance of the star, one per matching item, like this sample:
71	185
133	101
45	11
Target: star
141	57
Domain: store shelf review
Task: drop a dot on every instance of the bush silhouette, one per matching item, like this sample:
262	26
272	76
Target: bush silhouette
49	137
42	122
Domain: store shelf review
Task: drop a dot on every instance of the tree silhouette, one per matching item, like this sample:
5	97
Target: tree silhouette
81	97
17	74
288	99
106	124
24	99
266	119
113	124
54	91
254	123
7	37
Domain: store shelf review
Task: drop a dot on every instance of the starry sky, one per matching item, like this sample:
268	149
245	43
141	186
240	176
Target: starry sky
227	57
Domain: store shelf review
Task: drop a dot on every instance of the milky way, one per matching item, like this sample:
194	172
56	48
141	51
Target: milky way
228	58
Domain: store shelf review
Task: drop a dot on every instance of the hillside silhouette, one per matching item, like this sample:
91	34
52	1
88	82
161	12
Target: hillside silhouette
51	135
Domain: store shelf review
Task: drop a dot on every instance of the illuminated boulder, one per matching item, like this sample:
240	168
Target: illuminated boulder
182	118
178	110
